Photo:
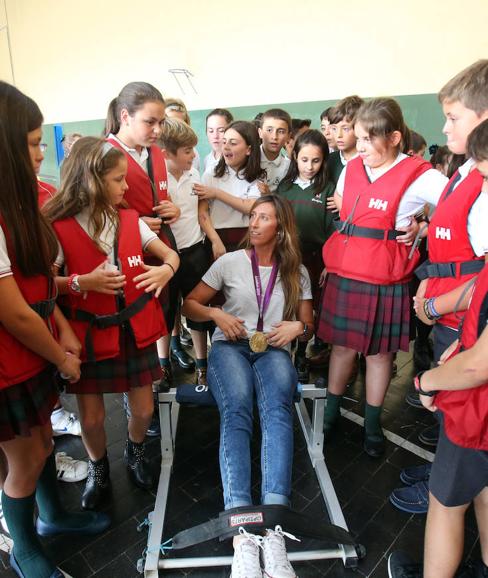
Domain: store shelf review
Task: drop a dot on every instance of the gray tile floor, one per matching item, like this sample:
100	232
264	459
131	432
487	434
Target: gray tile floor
362	485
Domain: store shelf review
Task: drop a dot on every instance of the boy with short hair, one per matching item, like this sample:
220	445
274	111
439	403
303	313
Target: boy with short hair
342	119
178	141
325	128
274	132
457	237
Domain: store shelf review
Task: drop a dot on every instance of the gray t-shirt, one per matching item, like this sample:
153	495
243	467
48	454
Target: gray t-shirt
232	274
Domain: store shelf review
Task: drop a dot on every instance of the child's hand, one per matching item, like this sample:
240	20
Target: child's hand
218	249
263	188
204	192
70	368
410	232
102	280
154	223
284	332
68	340
331	206
322	277
428	402
154	279
168	212
418	305
448	352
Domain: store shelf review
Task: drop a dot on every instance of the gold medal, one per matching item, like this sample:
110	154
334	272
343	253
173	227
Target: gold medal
258	342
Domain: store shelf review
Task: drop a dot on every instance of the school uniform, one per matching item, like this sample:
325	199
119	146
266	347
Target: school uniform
314	224
275	170
194	255
45	192
335	165
147	181
366	303
28	392
460	469
118	353
230	224
210	162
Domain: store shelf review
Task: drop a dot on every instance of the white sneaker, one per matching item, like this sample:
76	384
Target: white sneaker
70	470
246	562
65	423
275	558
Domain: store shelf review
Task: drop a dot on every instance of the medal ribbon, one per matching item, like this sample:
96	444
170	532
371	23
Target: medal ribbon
263	303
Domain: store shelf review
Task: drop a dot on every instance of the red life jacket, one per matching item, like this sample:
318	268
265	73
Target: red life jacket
17	362
466	411
46	192
448	241
364	247
100	339
145	193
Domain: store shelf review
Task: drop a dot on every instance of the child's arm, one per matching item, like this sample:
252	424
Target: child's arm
155	278
26	326
206	193
66	336
207	227
101	280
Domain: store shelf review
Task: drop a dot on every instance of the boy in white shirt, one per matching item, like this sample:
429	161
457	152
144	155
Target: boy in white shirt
275	132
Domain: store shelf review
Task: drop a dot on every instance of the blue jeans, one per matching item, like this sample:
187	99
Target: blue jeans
234	374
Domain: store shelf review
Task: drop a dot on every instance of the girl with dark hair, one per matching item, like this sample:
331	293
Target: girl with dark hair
229	191
216	124
307	187
250	359
369	261
104	275
29	349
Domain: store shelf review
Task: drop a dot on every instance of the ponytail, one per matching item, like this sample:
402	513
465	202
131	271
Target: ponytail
112	123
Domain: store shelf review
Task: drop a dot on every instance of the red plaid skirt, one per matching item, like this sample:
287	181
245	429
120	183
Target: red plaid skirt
365	317
27	404
132	368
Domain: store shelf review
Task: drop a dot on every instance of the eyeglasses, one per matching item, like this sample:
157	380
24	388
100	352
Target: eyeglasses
43	147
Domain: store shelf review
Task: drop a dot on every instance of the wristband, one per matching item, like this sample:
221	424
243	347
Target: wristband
432	308
73	285
171	267
418	389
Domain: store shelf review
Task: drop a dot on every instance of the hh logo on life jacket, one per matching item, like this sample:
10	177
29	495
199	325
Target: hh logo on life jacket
378	204
134	261
442	233
163	185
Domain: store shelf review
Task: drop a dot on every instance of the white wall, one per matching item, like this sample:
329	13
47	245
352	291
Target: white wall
73	56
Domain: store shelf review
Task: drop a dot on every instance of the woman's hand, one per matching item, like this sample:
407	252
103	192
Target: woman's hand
154	279
410	232
232	327
68	341
284	332
102	280
205	192
418	305
218	249
168	212
70	368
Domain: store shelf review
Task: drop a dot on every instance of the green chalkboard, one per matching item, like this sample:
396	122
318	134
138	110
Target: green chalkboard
422	113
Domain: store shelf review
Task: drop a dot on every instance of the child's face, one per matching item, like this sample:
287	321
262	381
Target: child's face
376	152
460	122
235	150
343	132
144	127
325	127
34	139
309	161
115	183
183	158
216	126
173	113
274	133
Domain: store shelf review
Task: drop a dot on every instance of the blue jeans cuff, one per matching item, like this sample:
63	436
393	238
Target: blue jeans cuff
271	499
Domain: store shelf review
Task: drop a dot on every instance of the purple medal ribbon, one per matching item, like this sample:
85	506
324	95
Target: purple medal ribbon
262	303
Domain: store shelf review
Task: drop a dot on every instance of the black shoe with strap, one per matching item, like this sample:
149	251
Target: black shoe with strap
138	466
97	486
184	360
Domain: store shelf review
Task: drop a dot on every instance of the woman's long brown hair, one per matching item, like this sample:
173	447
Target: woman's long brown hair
287	252
33	240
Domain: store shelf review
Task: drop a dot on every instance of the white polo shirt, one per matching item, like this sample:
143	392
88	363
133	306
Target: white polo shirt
186	229
223	216
210	162
275	170
140	158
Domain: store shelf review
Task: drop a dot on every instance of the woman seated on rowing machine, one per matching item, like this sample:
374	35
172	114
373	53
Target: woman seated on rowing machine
268	304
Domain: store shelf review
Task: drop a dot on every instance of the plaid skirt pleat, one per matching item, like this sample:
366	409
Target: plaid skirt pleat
132	368
365	317
27	404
